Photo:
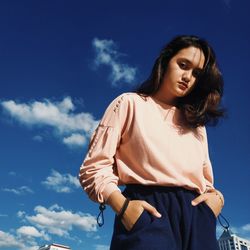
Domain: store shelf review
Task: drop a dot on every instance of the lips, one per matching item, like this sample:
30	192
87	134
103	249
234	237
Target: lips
183	85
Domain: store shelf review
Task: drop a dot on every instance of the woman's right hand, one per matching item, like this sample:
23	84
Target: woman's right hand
134	210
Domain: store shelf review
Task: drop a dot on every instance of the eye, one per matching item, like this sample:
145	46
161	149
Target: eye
183	65
197	73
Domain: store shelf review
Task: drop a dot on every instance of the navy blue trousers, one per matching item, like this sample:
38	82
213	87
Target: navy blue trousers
181	227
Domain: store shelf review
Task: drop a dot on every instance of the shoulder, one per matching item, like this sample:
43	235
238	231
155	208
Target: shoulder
202	130
128	98
122	107
202	133
118	109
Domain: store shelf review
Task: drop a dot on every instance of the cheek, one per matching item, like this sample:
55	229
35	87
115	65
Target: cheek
174	73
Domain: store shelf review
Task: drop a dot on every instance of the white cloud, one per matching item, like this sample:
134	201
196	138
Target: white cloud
38	138
29	231
45	223
75	140
30	248
246	227
242	231
61	183
102	247
72	128
32	232
19	242
107	54
18	191
9	240
55	220
20	214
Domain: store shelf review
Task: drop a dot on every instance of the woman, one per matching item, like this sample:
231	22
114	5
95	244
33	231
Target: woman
154	142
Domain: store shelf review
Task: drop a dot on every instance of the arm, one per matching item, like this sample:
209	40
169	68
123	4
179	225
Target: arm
97	174
212	196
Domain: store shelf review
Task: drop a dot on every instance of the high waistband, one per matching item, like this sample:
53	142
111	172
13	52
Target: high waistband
157	188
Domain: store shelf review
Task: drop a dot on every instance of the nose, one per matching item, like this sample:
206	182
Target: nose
186	77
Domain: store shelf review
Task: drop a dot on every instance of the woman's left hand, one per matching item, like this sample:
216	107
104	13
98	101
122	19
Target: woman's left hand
212	199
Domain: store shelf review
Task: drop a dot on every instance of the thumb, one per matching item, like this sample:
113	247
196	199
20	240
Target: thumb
198	200
151	209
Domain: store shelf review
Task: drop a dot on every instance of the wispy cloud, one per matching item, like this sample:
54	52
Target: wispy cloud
242	231
9	240
45	225
38	138
246	227
20	214
32	232
12	173
102	247
74	140
61	183
107	54
19	191
72	128
55	220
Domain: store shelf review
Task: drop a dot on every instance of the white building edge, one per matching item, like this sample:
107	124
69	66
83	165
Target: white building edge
230	241
54	246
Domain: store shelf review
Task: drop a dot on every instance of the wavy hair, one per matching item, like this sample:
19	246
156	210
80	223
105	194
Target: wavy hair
202	105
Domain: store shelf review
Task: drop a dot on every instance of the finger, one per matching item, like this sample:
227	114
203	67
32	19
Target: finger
199	199
151	209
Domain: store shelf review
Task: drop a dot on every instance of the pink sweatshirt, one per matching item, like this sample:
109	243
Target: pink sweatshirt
140	140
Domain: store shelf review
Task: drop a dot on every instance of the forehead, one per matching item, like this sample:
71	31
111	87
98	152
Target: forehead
193	55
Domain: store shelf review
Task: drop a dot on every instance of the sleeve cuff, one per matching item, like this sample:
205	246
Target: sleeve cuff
109	189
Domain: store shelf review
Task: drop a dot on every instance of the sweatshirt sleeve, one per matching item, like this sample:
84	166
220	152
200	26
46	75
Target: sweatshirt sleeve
97	173
207	166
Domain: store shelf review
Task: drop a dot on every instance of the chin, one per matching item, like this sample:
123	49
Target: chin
182	94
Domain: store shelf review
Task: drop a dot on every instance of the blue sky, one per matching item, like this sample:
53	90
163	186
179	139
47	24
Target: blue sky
61	63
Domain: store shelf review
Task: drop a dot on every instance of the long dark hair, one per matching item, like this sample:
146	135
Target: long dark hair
202	105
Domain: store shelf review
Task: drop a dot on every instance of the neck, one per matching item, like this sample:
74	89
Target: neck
165	99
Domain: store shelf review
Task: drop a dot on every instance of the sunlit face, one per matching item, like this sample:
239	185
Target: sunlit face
181	74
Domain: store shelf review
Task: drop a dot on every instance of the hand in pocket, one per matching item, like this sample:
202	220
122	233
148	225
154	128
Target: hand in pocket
212	200
135	210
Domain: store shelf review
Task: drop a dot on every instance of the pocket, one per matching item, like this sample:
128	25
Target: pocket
209	209
142	222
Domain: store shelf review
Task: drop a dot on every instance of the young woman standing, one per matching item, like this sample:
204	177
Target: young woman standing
154	141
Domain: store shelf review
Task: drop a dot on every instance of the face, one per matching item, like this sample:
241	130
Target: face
181	74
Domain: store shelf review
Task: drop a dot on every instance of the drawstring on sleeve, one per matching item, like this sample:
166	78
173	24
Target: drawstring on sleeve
100	217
